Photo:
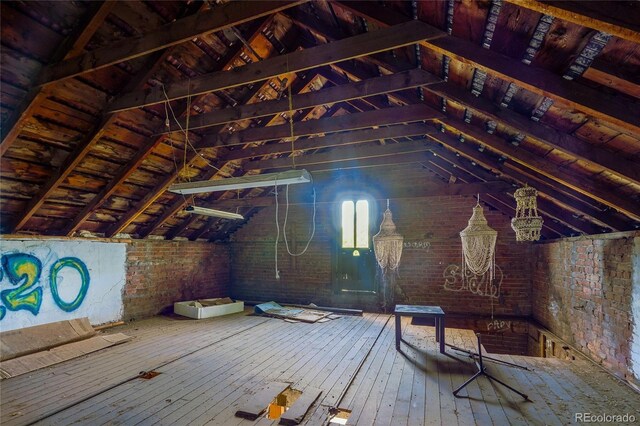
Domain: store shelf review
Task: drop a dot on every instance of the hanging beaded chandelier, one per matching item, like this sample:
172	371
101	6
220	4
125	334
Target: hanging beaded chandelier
478	245
527	224
388	244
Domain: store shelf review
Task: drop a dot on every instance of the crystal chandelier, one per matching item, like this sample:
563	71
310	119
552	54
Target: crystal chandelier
527	224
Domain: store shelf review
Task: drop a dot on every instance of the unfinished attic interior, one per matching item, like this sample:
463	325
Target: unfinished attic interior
320	212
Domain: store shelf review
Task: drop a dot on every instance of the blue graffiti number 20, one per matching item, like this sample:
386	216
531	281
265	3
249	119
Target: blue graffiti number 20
24	270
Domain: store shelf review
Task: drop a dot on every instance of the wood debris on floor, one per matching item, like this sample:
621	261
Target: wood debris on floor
32	348
206	377
292	314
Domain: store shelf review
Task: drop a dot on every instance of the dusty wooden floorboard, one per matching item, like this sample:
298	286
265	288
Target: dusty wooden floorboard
358	392
495	405
353	358
521	380
474	393
137	396
320	373
25	386
225	416
213	398
364	409
63	386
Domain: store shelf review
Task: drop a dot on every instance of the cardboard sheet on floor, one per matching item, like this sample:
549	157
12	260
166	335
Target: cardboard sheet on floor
27	363
295	414
258	403
275	310
23	341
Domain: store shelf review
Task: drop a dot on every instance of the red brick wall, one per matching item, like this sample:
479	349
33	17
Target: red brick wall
587	291
160	273
435	220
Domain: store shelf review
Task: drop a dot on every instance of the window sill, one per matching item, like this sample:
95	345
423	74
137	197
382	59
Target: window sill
357	291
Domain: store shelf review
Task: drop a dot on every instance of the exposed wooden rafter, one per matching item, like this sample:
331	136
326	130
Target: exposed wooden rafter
589	188
84	147
336	139
542	133
427	190
180	202
571	11
371	87
353	47
621	112
219	18
388	116
345	153
505	203
546	207
128	169
76	41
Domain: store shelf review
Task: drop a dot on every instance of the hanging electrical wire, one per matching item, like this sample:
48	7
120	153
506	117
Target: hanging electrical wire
188	141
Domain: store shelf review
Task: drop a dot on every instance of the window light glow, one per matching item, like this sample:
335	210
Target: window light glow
348	235
355	224
362	224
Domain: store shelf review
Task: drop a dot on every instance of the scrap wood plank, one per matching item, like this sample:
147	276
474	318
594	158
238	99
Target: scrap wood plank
258	403
31	362
295	414
19	342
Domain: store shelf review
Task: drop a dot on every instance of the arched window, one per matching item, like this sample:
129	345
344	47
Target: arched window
355	224
355	260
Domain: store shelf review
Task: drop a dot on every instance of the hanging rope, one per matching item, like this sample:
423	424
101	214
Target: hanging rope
284	226
293	156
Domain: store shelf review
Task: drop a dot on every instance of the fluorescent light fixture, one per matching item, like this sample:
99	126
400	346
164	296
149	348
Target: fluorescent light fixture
212	212
254	181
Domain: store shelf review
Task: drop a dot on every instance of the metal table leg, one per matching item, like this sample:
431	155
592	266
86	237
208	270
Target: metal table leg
398	331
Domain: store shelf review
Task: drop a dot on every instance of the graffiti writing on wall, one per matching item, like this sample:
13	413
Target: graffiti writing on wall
47	280
23	272
498	325
477	284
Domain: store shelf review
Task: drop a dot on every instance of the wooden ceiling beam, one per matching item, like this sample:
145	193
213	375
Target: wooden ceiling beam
223	230
575	202
545	207
542	133
337	154
179	202
529	161
598	74
73	45
505	203
385	161
429	190
182	30
570	11
336	139
360	45
332	34
620	112
371	87
383	117
130	167
592	189
83	148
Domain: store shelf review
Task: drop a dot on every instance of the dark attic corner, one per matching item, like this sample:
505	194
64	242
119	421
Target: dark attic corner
320	212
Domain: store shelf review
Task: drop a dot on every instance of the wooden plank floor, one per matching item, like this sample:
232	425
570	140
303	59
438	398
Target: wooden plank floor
209	368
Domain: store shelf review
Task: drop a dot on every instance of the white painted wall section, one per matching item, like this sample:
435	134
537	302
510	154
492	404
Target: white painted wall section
43	281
